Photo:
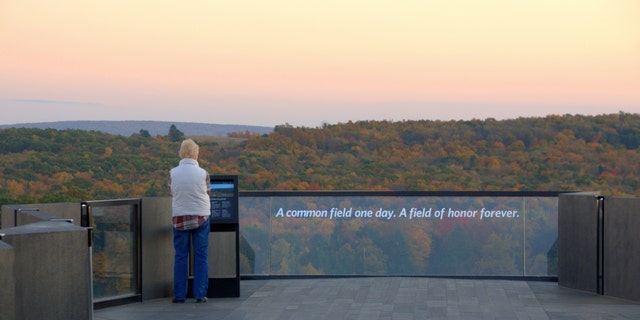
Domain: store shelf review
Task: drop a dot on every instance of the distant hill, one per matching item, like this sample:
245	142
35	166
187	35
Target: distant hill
127	128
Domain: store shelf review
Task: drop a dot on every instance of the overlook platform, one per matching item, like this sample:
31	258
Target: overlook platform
388	298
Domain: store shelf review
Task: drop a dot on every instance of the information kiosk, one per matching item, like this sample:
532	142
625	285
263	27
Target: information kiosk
224	253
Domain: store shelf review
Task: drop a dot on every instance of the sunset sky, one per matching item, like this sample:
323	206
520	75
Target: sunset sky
312	62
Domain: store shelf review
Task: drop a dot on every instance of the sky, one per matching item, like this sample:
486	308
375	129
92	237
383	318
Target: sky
314	62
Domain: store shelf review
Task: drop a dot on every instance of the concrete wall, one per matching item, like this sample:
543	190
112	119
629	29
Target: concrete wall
157	248
622	248
578	257
7	281
577	241
51	270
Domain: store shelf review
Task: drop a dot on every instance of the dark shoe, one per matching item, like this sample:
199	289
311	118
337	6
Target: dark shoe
177	300
202	300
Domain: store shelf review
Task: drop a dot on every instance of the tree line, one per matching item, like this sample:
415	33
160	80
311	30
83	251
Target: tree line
553	153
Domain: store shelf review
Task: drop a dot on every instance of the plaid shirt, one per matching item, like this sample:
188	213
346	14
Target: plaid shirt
182	223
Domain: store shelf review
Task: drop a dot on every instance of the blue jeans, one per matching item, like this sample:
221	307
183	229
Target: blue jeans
181	239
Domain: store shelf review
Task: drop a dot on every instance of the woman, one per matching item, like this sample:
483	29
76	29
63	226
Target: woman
191	210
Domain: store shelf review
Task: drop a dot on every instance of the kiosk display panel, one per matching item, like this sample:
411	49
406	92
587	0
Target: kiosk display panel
224	199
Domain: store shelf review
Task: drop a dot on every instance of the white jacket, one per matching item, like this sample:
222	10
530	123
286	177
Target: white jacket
189	189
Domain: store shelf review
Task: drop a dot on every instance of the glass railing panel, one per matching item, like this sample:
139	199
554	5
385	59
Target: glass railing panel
541	236
115	249
477	236
400	235
255	235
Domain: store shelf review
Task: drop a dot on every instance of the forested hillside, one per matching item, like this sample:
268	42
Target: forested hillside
555	153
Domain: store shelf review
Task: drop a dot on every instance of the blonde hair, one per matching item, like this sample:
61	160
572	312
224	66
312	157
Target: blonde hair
189	149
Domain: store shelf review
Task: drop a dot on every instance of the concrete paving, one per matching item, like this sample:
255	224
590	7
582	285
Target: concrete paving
393	298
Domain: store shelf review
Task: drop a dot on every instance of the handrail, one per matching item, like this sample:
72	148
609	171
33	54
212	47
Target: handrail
15	214
395	193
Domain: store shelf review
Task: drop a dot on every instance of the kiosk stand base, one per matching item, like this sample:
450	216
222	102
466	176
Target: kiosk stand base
219	288
223	288
224	270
